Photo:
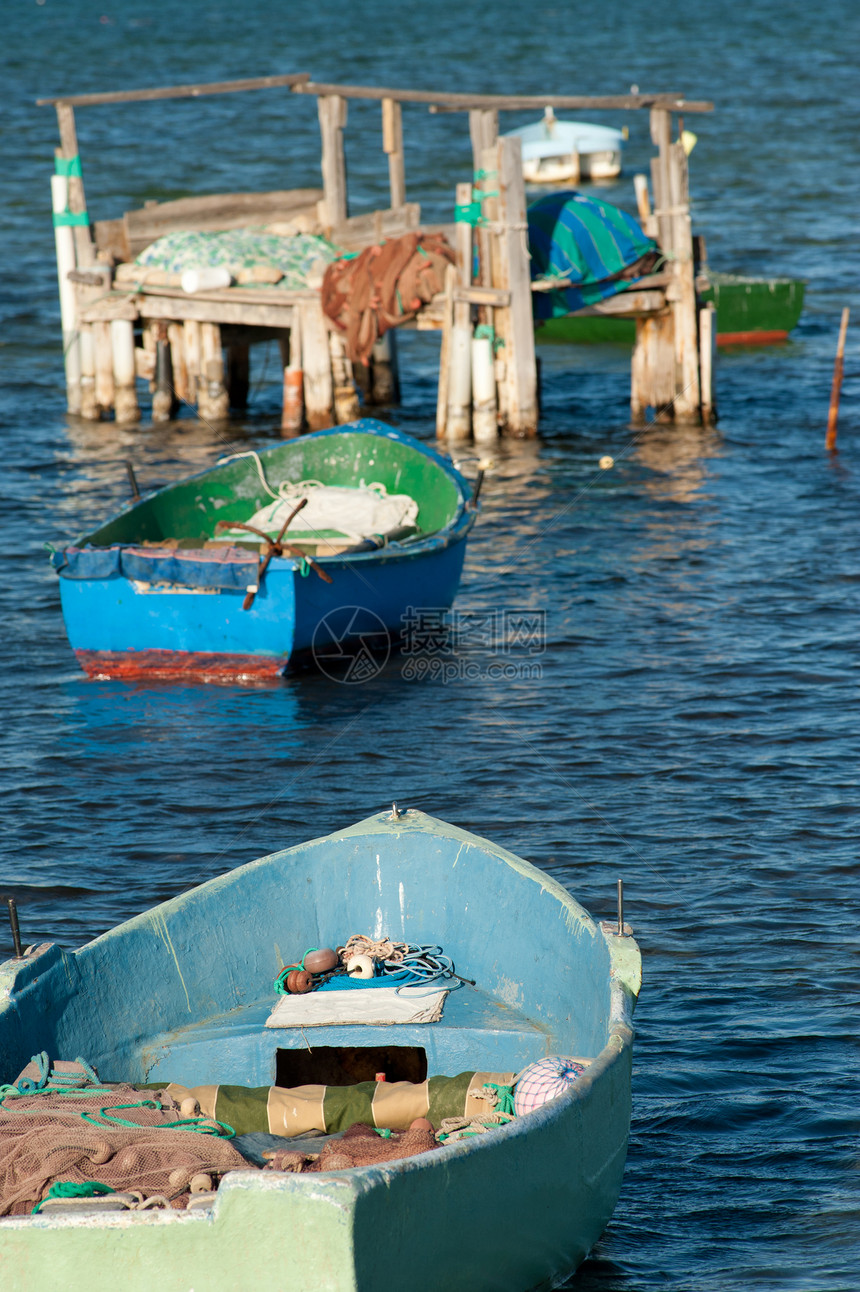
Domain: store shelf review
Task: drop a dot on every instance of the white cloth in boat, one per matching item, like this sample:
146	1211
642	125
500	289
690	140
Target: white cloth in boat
379	1006
355	512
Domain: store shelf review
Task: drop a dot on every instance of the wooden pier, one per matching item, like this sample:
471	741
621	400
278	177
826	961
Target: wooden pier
120	324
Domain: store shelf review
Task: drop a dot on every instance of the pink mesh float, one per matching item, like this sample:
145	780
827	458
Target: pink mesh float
544	1080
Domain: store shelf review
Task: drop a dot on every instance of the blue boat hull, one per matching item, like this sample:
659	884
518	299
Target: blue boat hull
119	627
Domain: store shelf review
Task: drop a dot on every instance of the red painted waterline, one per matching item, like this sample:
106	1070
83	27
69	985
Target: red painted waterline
750	338
204	666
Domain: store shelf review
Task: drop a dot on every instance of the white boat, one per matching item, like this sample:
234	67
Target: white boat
565	152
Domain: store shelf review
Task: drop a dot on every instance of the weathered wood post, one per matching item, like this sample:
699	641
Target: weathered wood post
293	407
518	402
346	404
707	352
672	211
163	399
392	144
445	352
193	368
213	402
179	363
316	365
332	116
384	370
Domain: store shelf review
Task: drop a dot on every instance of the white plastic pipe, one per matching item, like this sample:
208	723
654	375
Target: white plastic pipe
485	427
122	347
460	383
64	239
205	280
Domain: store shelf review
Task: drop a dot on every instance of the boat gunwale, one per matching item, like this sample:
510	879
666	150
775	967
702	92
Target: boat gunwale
460	523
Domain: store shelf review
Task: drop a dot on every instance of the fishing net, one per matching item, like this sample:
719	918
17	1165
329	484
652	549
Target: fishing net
360	1145
119	1136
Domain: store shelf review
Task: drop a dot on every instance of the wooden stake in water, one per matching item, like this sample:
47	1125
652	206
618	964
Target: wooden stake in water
838	367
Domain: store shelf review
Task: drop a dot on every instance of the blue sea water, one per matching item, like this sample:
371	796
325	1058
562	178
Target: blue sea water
694	726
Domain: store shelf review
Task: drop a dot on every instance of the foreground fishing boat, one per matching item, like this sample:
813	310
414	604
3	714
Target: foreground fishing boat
314	548
184	995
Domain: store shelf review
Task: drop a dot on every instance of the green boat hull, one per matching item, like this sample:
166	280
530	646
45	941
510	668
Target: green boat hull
750	311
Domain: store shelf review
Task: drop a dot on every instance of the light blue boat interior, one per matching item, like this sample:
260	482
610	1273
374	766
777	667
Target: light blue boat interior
183	991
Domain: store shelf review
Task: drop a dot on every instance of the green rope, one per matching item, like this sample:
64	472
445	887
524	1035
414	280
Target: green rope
505	1098
304	571
69	166
384	1134
468	213
70	1189
200	1125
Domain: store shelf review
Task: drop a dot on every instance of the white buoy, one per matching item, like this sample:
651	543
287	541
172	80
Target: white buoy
459	421
485	425
360	967
64	239
205	280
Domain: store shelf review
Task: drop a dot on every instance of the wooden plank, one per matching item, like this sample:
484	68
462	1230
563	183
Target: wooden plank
366	230
111	239
443	99
213	211
521	413
392	145
625	305
332	118
169	308
178	91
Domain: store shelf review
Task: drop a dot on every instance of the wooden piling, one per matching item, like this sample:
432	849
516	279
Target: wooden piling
178	362
163	400
384	370
332	117
125	388
838	368
445	351
293	406
707	352
316	364
191	353
85	254
392	145
104	367
346	404
213	401
520	413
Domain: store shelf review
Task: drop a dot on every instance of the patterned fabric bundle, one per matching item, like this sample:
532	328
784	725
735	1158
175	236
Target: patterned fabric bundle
296	258
596	247
544	1080
385	285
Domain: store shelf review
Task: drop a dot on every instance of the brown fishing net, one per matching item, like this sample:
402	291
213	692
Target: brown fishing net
361	1145
383	286
49	1137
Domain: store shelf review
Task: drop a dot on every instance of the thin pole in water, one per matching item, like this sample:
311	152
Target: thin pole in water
132	480
838	368
13	920
621	906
